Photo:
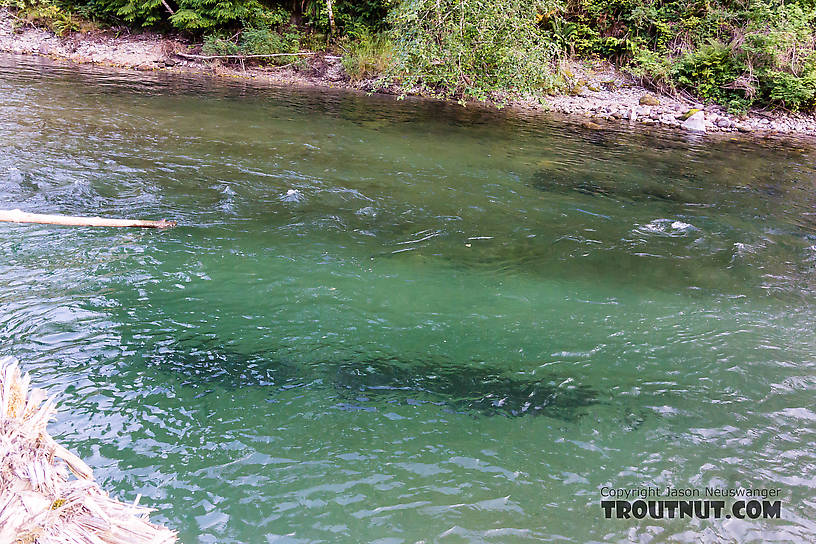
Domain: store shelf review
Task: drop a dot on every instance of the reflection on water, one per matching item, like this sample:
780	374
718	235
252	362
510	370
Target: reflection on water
358	284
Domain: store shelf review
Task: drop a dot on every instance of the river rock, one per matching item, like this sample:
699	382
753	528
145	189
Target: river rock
689	113
695	123
590	125
649	100
723	122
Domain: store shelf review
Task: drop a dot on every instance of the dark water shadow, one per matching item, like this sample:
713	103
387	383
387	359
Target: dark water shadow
365	382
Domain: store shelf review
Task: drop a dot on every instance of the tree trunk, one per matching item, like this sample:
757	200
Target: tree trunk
331	17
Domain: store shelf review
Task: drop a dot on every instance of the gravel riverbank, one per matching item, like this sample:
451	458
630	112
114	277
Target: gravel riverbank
605	93
600	92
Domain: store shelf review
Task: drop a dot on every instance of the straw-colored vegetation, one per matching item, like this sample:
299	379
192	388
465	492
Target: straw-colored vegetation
40	502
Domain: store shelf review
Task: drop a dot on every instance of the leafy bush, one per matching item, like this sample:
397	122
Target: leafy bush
348	15
255	41
652	67
708	71
476	49
792	92
46	13
195	15
737	53
217	45
263	41
367	54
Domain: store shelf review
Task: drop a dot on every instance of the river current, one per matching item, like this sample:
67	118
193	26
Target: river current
404	321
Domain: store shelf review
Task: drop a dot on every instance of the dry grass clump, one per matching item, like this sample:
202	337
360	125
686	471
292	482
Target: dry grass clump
40	503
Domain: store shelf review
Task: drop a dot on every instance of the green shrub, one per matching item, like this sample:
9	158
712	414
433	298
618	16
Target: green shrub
255	41
217	45
348	15
652	67
264	41
46	13
195	15
737	53
709	71
367	54
478	49
792	92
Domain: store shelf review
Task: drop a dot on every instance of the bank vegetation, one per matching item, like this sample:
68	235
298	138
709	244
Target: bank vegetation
736	53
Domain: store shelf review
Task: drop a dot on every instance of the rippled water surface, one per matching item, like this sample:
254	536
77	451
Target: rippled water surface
395	321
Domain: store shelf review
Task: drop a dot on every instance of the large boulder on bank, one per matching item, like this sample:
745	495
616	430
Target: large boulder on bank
695	123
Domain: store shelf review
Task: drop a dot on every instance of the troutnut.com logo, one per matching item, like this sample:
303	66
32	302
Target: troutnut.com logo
670	502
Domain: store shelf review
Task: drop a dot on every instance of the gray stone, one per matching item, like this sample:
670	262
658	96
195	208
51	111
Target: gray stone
649	100
723	122
695	123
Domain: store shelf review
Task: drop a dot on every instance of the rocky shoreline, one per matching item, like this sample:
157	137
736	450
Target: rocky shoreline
607	94
599	92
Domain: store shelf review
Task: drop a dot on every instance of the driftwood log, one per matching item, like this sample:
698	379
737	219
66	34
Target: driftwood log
210	57
40	503
19	216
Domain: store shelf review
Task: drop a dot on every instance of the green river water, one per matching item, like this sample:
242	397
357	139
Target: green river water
401	321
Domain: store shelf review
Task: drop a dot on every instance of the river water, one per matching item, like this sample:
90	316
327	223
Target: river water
401	321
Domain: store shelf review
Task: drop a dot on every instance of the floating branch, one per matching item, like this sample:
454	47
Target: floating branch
39	503
19	216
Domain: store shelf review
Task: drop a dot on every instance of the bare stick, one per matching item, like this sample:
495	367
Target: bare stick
19	216
207	57
329	9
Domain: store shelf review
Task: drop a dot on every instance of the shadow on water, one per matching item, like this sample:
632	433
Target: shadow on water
362	383
484	390
661	172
